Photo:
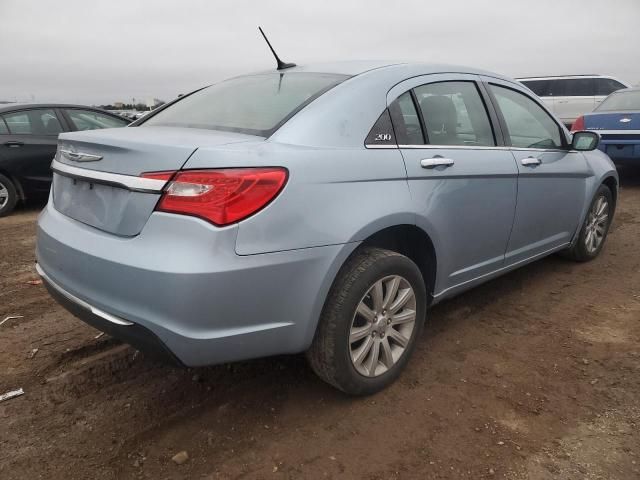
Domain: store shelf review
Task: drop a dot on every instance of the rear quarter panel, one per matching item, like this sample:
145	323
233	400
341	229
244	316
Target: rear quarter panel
333	195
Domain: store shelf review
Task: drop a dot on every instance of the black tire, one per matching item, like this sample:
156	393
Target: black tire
8	203
330	354
580	252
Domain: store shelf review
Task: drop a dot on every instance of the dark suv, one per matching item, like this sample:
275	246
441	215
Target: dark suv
28	138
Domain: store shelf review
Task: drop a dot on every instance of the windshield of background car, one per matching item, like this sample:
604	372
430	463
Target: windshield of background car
621	101
256	104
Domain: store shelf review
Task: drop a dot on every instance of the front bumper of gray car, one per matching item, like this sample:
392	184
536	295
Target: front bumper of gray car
179	287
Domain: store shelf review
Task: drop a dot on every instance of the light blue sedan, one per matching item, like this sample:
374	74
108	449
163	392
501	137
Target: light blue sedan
318	209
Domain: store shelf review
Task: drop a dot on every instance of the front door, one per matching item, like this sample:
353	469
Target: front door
462	182
551	181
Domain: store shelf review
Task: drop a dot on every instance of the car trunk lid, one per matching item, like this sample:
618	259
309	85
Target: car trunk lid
618	121
97	174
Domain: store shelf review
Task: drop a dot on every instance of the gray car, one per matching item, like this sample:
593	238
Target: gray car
317	209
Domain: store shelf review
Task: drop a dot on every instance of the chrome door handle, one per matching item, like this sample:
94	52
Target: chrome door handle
530	161
436	162
13	144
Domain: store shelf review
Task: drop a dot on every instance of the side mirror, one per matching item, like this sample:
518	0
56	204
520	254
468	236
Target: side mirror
585	141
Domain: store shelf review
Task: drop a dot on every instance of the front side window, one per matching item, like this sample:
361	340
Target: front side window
33	122
91	120
454	114
606	86
528	124
3	127
621	101
256	104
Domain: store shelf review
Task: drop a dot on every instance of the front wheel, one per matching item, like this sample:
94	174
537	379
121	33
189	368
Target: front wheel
370	323
595	227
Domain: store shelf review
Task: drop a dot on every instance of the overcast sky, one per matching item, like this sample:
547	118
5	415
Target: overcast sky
93	52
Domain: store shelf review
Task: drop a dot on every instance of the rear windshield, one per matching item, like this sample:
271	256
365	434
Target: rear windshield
621	101
256	104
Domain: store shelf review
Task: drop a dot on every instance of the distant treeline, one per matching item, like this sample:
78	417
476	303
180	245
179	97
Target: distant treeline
129	106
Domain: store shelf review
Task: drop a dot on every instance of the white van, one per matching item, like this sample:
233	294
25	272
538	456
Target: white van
572	95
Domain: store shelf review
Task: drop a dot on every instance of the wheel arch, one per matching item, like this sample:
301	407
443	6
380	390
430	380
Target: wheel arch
404	238
612	183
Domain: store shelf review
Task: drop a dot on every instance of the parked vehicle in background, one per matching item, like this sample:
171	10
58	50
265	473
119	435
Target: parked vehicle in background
319	208
568	97
28	139
617	120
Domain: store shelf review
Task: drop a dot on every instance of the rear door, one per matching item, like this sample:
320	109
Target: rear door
29	145
551	180
573	97
463	184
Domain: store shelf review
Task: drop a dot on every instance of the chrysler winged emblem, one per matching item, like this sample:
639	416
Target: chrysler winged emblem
80	156
625	120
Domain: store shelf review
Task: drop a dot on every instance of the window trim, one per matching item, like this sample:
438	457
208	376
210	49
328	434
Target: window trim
496	129
505	129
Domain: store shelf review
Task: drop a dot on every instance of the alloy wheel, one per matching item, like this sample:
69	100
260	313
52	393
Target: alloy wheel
382	326
597	222
4	195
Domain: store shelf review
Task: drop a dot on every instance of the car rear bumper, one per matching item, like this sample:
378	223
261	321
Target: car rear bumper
138	336
179	287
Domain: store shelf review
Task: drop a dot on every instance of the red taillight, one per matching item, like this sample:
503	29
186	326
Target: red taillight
221	196
578	124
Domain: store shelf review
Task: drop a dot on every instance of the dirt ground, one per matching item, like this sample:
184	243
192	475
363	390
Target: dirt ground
534	375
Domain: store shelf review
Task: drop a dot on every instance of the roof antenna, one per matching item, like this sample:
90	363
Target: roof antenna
281	65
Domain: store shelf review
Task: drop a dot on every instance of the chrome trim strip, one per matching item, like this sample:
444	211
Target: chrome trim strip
80	156
480	147
376	147
81	303
137	184
616	132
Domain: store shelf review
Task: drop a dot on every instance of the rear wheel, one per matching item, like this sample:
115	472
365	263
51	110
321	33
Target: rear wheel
595	227
8	196
371	321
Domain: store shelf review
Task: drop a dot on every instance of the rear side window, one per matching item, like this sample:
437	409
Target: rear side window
3	127
33	122
528	124
606	86
454	114
541	88
91	120
256	105
573	87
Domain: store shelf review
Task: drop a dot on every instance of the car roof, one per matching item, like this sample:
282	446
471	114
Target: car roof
8	107
357	67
